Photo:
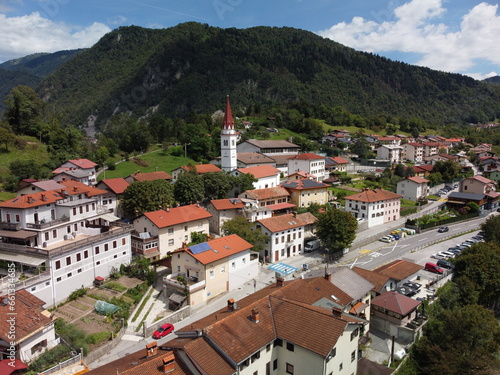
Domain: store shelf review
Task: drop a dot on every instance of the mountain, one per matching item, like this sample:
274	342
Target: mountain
190	68
30	70
495	80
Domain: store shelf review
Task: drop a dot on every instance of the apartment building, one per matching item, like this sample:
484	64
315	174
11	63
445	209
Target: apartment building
309	163
304	192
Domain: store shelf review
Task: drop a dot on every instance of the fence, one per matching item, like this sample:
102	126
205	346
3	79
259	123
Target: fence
104	349
74	360
172	318
448	221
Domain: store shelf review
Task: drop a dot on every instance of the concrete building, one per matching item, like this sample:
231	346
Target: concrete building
268	147
267	176
86	168
413	151
390	152
115	188
413	188
309	163
477	185
276	199
377	206
198	168
304	192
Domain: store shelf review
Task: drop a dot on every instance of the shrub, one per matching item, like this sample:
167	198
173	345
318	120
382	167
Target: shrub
77	294
98	337
50	358
115	286
72	335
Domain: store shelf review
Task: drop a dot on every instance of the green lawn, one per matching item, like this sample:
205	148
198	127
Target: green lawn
149	162
33	150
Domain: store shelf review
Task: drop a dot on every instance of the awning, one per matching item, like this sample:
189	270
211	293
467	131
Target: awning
358	308
107	216
19	234
280	206
8	366
27	260
455	202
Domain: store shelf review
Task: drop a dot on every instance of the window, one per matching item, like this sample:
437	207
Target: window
46	236
124	241
171	242
277	240
114	244
69	274
106	247
275	364
54	233
68	261
341	366
289	368
98	263
353	356
79	270
58	279
255	357
74	210
222	269
233	265
58	264
85	254
290	347
268	347
244	260
268	368
96	250
212	274
81	209
185	228
354	334
278	342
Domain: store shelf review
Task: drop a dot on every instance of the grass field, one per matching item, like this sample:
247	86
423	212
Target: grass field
150	162
33	150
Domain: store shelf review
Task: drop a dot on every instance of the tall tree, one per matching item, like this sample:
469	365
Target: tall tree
491	228
336	229
240	226
24	110
189	188
217	185
147	196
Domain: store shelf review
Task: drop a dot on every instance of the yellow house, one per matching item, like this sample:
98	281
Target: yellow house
305	192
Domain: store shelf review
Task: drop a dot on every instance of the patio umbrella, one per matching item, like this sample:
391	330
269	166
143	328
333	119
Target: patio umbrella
8	366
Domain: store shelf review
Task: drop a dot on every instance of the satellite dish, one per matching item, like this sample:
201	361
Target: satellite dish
5	301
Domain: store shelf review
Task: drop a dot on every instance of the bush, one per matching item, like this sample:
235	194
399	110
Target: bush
98	337
137	292
115	286
50	358
77	294
72	334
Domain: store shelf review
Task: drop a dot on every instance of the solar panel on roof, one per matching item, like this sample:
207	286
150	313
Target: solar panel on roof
200	248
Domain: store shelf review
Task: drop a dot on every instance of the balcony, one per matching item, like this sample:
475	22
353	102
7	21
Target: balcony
193	284
9	226
42	224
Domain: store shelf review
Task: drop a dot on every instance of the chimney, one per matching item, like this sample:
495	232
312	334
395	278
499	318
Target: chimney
231	304
44	198
75	188
168	363
184	245
29	200
255	315
294	214
167	209
336	312
328	275
279	281
151	349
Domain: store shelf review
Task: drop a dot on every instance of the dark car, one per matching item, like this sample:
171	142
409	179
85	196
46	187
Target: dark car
443	229
445	264
164	330
412	285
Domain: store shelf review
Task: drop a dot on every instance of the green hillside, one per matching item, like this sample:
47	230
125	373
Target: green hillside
190	68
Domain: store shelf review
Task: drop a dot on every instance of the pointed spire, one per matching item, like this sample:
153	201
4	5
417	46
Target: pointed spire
228	122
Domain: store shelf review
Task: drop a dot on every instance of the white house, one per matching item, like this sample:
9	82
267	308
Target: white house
377	206
267	176
309	163
286	234
413	151
268	147
86	167
391	153
413	188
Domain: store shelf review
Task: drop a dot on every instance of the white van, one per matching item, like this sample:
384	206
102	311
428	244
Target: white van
312	245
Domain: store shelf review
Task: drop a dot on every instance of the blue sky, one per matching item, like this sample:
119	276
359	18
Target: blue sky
461	36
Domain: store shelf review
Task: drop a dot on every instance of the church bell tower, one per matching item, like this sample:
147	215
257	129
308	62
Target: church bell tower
228	138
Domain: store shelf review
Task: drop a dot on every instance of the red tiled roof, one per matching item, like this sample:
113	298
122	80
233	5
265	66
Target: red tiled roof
220	248
377	279
280	206
227	204
260	171
267	193
151	176
423	168
30	316
177	215
399	269
395	302
203	168
414	144
480	178
339	160
73	187
375	195
83	163
116	185
307	156
284	222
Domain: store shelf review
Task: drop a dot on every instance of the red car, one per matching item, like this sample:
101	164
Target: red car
164	330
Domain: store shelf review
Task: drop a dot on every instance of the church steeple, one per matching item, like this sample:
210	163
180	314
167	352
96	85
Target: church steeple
229	160
228	123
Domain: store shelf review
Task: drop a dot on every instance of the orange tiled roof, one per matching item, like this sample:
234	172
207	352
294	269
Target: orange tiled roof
393	301
377	279
29	317
482	179
203	168
151	176
399	269
227	204
423	168
260	171
339	160
177	215
267	193
83	163
418	180
219	248
284	222
375	195
116	185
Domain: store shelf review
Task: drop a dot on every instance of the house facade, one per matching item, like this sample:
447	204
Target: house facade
413	151
172	226
477	185
377	206
198	168
275	199
267	176
309	163
286	235
390	152
212	268
85	166
268	147
413	188
304	192
223	210
115	188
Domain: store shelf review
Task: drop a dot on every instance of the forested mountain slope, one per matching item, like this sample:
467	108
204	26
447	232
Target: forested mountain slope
190	68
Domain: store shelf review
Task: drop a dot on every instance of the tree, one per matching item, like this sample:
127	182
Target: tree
24	110
336	229
491	228
240	226
189	188
22	169
399	170
147	196
360	148
217	185
463	340
243	182
410	172
6	135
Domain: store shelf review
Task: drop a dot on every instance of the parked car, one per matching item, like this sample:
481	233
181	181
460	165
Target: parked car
312	245
439	256
431	267
449	254
387	239
412	285
163	331
443	229
395	236
445	264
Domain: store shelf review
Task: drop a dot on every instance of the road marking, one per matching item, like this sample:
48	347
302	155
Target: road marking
365	251
375	254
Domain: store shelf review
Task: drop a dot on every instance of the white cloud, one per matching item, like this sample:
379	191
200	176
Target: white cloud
117	20
417	27
20	36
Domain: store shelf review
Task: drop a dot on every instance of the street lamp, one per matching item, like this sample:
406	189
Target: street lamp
185	149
